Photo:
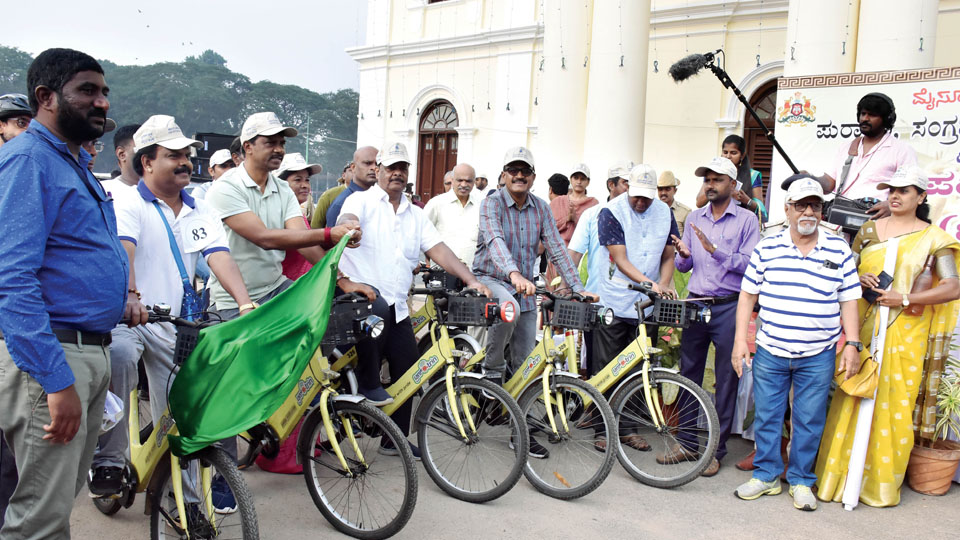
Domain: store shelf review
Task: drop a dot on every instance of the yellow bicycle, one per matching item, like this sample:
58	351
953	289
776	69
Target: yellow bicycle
153	469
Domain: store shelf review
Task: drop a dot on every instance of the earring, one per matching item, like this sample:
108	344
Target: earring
149	169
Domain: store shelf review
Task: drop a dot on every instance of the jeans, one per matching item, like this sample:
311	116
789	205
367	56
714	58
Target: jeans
521	334
772	378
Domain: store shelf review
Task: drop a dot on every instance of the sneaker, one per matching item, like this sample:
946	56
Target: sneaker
536	449
803	498
378	397
494	376
223	500
105	481
755	488
388	449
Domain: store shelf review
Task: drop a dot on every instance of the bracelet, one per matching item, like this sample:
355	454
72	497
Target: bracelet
327	238
134	291
251	305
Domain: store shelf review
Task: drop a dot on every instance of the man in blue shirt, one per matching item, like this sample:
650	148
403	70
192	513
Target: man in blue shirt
364	176
63	282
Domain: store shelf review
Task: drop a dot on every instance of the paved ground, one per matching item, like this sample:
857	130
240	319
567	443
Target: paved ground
620	508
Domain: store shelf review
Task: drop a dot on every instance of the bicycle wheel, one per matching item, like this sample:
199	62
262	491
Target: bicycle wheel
489	462
164	520
378	496
576	459
678	451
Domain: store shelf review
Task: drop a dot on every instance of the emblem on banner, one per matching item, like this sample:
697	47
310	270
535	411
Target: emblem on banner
796	111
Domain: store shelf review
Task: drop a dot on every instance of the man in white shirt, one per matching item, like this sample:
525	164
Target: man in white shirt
220	162
456	214
397	233
123	147
150	218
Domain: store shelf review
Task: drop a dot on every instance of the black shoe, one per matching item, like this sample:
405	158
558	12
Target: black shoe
105	481
388	449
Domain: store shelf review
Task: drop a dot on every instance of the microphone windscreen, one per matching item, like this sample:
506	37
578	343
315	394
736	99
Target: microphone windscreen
687	67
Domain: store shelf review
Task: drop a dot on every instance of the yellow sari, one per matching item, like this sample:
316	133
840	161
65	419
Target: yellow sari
912	344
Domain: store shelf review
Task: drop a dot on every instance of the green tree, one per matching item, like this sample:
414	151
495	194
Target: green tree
206	96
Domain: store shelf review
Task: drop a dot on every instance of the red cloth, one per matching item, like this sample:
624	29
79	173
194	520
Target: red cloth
294	264
286	460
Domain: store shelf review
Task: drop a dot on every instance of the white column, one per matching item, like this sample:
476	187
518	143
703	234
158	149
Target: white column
563	87
891	31
821	37
616	98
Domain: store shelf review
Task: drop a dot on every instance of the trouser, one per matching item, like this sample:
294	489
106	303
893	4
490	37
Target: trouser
155	342
113	448
8	476
694	346
51	475
610	340
521	334
230	443
772	379
399	346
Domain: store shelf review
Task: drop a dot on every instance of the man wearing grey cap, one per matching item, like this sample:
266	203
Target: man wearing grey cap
513	222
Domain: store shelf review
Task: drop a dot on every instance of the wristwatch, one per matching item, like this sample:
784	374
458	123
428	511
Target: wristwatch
856	344
906	300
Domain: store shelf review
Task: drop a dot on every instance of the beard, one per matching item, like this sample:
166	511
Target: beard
76	126
806	227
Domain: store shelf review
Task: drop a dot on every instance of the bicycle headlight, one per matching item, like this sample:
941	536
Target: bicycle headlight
606	316
507	312
372	326
705	315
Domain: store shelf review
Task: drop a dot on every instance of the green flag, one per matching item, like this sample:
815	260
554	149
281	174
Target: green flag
243	370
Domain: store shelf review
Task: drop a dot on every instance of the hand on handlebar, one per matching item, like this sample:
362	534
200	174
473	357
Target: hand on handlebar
348	286
480	288
667	290
134	312
592	297
522	285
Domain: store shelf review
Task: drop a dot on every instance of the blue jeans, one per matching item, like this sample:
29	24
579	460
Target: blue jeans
772	377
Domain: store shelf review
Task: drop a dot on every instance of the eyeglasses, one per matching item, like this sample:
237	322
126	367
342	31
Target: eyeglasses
802	206
514	171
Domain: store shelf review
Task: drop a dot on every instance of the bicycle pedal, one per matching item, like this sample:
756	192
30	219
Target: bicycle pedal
330	374
654	350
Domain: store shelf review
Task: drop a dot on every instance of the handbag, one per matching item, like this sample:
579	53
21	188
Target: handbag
190	308
864	383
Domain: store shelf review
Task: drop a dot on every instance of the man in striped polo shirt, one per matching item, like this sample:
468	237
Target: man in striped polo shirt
807	285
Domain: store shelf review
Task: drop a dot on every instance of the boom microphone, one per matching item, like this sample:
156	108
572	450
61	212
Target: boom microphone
687	67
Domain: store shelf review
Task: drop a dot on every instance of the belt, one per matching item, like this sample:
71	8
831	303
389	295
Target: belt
716	300
78	337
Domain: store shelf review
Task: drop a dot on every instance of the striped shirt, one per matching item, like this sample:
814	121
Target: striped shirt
800	296
508	242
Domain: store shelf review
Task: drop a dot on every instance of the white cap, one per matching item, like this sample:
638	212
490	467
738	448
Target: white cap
264	123
294	162
582	169
907	176
620	169
803	188
643	182
220	157
518	153
163	130
394	153
719	165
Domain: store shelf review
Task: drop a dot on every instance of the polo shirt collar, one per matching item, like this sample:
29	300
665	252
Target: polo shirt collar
42	131
150	197
789	240
250	183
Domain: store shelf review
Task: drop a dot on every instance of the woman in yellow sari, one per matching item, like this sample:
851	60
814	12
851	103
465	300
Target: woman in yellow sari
913	351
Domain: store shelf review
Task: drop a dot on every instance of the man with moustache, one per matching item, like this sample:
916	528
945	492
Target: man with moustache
456	214
364	176
716	246
481	183
326	199
513	222
146	217
397	233
63	280
807	285
448	181
667	191
872	158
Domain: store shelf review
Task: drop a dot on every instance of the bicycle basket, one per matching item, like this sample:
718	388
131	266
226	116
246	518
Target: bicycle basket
573	315
446	280
341	326
669	313
187	337
467	311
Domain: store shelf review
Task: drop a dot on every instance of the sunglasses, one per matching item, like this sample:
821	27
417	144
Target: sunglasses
514	171
802	206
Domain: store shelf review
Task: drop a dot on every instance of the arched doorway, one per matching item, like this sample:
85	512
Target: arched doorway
437	147
760	150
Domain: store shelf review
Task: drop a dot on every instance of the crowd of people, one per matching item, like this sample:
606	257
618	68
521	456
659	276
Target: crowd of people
79	256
